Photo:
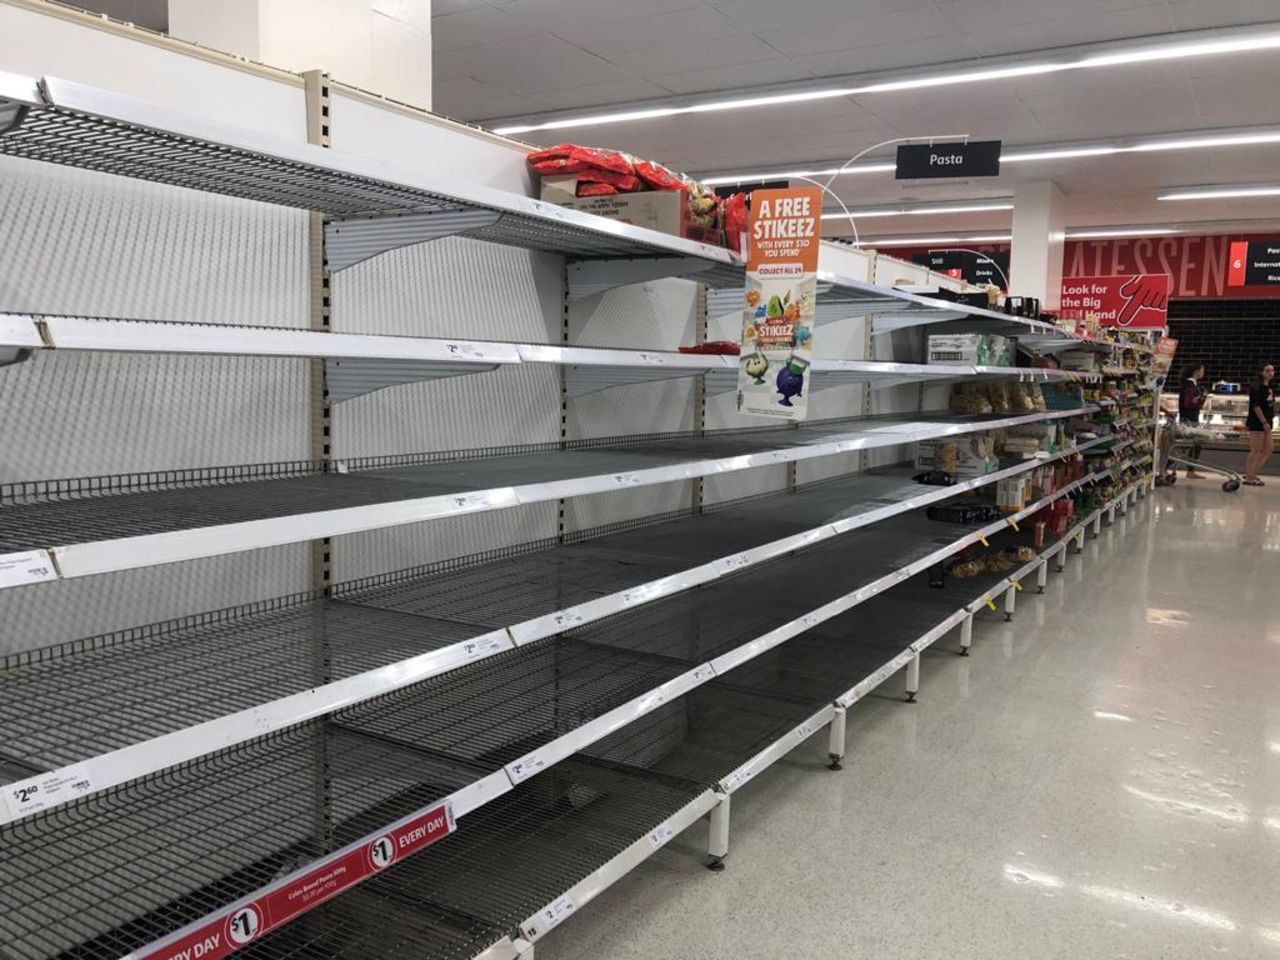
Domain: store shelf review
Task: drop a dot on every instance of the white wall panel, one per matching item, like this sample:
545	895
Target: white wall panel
585	513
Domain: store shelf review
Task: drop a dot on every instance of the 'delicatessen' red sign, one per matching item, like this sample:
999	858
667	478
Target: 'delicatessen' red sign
1137	301
238	927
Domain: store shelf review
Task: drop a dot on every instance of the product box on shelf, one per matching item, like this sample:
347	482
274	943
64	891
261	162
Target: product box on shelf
964	457
1079	361
1012	494
981	349
667	211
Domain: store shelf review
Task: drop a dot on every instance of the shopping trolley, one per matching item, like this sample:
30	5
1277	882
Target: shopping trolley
1175	441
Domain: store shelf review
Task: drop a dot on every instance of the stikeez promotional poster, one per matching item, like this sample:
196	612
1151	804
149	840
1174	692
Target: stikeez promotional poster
781	294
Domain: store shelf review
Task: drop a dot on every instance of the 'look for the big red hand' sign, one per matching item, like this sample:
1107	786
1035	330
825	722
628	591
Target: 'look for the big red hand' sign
1137	301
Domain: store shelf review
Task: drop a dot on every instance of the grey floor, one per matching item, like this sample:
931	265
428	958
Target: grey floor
1101	779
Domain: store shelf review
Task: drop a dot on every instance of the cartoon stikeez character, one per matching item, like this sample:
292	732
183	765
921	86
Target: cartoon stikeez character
790	380
756	366
804	333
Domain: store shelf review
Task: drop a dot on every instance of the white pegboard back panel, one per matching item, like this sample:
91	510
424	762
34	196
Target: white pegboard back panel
35	617
453	287
88	415
745	483
400	548
78	242
585	513
158	70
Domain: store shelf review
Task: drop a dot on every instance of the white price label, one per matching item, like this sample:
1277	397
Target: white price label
342	467
661	836
736	562
626	479
779	455
653	358
526	767
465	351
704	673
472	501
34	566
737	779
557	913
567	618
804	731
483	647
651	702
548	209
46	790
640	594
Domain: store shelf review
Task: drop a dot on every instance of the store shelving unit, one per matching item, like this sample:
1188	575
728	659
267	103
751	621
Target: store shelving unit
194	778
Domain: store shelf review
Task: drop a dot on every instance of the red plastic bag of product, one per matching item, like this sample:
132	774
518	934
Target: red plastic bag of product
625	182
587	189
591	156
657	176
734	218
722	347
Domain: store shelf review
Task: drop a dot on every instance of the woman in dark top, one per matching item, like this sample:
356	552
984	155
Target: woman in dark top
1262	413
1190	400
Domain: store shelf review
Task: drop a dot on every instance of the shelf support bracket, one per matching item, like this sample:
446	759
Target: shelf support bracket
1042	576
589	277
356	239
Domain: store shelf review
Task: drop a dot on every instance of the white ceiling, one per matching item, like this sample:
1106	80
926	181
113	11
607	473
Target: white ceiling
504	60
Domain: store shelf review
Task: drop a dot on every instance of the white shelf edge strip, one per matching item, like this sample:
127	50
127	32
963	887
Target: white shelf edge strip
19	330
127	553
475	795
777	750
68	332
167	750
546	919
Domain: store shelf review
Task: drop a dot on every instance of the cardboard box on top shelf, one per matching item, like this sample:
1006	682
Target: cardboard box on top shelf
1079	361
972	349
666	211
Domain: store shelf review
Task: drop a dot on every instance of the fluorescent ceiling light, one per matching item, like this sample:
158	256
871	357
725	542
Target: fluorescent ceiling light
1220	193
913	211
1127	232
930	241
1031	154
1143	53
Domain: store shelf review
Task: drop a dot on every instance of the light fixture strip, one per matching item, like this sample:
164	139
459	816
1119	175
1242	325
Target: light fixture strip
1224	192
1207	45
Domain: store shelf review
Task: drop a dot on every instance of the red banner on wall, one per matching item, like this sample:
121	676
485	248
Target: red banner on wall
1198	266
1137	301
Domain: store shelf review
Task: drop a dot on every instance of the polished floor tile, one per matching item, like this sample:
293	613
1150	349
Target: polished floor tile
1101	779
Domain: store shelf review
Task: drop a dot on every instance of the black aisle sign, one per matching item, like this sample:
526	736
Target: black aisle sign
972	267
1256	263
978	159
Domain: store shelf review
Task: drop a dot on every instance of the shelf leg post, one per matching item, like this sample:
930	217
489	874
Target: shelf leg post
1097	524
1079	541
1042	576
1061	563
718	834
1010	603
835	741
913	678
966	635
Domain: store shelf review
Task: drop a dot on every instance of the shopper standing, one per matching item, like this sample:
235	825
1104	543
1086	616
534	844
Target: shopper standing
1262	414
1190	401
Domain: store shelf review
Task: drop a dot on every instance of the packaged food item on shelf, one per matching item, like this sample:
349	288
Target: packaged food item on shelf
1062	396
1011	494
970	398
966	568
998	394
1023	554
1020	396
1080	361
998	563
966	513
972	456
972	349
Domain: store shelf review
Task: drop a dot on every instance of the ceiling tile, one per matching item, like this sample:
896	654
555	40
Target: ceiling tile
730	79
908	55
849	33
728	52
639	34
997	39
602	94
1197	14
528	65
759	15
